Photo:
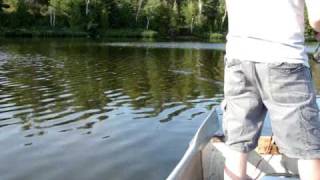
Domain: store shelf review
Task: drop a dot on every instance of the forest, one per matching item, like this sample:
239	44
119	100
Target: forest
146	18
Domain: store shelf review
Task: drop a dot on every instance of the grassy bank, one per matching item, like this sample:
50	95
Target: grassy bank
111	33
211	37
21	32
114	33
129	33
216	37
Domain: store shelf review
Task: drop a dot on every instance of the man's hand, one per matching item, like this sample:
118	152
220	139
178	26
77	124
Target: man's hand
317	36
313	14
316	55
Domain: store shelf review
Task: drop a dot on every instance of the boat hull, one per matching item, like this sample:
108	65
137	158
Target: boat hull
205	157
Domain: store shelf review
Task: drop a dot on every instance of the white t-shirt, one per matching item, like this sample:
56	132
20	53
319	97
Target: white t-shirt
266	31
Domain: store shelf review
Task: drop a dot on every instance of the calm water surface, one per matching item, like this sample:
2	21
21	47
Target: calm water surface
79	109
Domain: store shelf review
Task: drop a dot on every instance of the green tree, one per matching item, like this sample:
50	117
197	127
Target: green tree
150	11
164	16
215	20
22	18
174	18
76	18
122	14
189	13
162	20
58	12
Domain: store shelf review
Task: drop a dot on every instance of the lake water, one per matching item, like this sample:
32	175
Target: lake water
79	109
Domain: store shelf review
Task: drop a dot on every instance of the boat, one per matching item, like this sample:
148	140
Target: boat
204	158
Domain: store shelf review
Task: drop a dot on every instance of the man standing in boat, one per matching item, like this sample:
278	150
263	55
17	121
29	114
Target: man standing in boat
267	69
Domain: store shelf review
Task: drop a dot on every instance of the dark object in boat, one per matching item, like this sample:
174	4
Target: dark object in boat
316	55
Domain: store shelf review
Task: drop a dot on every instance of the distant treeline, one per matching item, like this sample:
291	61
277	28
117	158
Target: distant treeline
205	18
167	17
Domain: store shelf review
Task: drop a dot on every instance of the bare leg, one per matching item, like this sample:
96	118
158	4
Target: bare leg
309	169
236	165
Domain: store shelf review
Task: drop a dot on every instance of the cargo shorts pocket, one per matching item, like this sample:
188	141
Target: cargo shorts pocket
234	78
289	83
310	123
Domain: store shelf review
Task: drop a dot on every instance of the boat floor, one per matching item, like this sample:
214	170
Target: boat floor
265	163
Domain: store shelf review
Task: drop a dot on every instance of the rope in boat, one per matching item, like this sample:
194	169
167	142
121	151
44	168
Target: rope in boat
317	49
316	54
269	151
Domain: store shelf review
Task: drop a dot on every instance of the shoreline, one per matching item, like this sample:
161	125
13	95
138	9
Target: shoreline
138	34
112	33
